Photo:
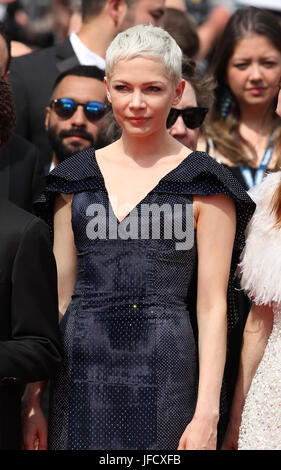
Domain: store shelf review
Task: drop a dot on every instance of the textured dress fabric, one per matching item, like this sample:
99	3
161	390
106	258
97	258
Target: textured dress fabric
130	372
260	270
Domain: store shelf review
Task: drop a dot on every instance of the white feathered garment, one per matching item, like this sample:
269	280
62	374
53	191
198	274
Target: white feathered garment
260	265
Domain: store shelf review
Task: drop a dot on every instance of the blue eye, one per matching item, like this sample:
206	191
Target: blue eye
121	87
154	88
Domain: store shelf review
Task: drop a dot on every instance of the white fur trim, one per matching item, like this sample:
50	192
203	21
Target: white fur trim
260	265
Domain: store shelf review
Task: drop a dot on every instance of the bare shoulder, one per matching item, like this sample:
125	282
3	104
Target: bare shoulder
213	199
214	204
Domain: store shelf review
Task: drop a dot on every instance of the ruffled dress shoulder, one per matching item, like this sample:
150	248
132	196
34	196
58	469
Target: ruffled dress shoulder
197	174
260	265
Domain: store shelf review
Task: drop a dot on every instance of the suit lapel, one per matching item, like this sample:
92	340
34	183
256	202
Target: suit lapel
66	57
4	175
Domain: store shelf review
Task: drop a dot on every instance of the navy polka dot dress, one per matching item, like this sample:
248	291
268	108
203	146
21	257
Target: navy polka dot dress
130	371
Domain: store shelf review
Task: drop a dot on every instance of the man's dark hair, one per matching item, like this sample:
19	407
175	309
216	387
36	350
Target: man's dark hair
182	28
5	36
92	8
88	71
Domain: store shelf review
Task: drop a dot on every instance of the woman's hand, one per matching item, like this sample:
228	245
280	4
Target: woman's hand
200	434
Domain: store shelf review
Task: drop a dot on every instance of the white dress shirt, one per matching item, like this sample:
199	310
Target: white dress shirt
84	55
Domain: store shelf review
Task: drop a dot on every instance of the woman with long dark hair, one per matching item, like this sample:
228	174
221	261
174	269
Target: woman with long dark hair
244	132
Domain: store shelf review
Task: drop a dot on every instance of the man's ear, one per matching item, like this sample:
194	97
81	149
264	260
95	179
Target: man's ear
178	92
117	9
107	89
47	117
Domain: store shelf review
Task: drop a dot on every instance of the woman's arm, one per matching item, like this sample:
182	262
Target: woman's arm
256	333
64	251
216	225
33	419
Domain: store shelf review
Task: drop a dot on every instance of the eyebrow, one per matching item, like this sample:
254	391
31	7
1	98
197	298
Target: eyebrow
153	82
270	56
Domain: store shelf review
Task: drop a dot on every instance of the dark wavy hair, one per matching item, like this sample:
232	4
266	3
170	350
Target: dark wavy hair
7	111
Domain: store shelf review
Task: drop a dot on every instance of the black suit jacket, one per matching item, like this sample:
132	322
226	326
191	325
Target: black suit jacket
30	347
32	78
22	178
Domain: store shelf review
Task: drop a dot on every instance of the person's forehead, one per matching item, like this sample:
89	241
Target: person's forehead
74	86
188	97
254	46
140	70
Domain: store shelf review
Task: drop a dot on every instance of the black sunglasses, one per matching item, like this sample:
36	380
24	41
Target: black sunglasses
193	117
66	107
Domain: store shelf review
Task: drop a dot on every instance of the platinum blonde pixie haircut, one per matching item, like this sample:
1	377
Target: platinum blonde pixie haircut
146	40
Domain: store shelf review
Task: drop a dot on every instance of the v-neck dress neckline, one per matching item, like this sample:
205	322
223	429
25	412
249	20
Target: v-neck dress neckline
146	196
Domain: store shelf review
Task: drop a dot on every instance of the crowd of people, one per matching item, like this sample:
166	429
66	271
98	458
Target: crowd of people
140	208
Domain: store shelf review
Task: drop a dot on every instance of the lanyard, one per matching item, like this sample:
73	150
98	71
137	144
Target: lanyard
247	174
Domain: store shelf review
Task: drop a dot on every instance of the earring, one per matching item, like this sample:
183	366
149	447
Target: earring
226	102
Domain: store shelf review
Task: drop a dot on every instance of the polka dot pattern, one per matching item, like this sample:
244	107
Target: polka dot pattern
130	373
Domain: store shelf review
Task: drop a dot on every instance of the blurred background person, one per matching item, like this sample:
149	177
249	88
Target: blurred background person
75	22
62	12
186	118
243	131
272	6
183	29
21	174
210	17
21	28
33	75
74	118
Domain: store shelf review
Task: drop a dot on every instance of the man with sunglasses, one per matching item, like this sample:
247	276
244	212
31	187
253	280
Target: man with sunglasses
74	116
